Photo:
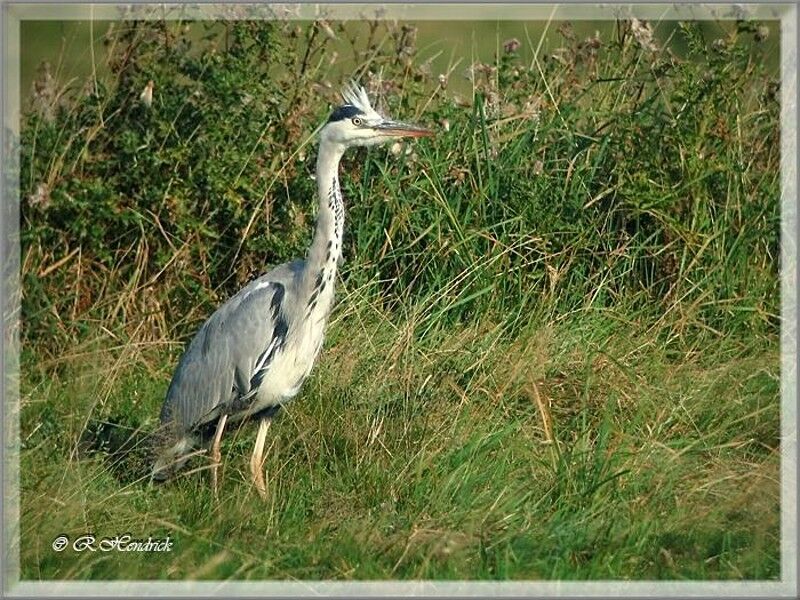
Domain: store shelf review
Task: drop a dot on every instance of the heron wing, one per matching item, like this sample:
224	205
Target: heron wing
233	350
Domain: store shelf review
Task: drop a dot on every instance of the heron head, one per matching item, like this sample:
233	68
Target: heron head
356	123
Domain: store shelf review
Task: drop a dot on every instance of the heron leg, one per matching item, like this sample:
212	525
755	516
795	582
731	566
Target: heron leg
216	455
257	459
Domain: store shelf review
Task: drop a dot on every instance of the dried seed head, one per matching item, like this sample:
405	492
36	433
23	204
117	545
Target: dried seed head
593	43
643	33
147	94
44	92
720	45
566	31
326	29
511	46
41	196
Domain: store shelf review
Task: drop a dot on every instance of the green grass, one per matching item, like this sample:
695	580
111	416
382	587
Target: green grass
555	353
410	458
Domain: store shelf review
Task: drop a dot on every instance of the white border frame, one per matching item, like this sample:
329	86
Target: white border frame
787	14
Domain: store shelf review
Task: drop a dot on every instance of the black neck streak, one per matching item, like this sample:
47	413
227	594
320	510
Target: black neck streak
326	271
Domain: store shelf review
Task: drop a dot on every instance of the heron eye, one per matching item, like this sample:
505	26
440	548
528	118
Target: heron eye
356	121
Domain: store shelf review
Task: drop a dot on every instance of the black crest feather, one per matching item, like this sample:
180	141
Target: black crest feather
346	111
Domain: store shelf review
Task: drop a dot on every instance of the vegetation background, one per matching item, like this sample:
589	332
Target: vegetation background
555	353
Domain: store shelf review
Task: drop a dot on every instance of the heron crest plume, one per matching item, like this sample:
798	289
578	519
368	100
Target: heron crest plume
356	95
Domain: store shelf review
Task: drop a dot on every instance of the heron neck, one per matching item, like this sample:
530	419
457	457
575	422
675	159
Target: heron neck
326	247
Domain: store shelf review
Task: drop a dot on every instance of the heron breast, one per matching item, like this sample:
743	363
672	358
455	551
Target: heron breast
291	367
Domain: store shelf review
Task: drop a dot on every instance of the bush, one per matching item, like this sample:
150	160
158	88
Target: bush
617	175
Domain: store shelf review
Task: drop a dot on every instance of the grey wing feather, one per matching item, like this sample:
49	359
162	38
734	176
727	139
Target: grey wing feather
226	360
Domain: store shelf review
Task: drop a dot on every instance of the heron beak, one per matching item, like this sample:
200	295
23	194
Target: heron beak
400	129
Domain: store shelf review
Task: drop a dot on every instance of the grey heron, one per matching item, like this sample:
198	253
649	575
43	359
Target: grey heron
255	351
